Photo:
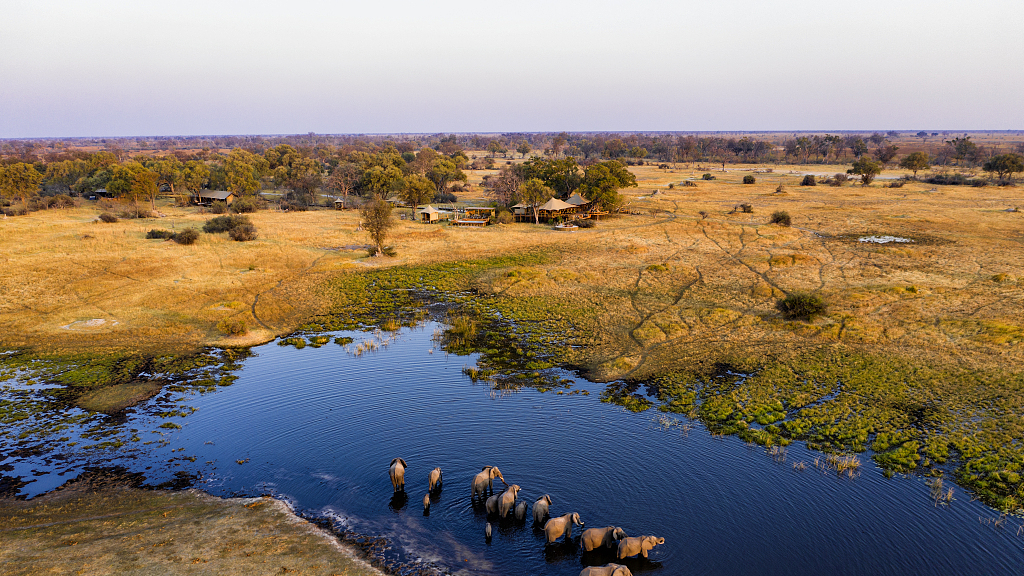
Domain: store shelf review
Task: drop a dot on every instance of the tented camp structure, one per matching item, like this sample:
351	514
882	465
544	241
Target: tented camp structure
555	209
428	214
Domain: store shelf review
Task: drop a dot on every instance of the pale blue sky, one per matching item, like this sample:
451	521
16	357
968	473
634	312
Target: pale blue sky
118	67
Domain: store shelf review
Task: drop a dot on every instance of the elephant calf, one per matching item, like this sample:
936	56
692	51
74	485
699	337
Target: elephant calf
520	511
397	473
637	545
606	570
541	508
555	527
484	481
492	504
608	537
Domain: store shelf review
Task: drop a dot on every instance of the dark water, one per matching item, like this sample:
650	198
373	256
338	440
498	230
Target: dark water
320	426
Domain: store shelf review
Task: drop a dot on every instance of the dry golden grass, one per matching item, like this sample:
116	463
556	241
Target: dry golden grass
667	281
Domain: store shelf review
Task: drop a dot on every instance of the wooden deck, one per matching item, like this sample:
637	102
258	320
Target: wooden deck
469	223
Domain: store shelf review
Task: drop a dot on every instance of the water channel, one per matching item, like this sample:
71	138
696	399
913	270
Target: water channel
319	426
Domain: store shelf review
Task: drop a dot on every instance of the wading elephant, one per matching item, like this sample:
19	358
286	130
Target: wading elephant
426	503
606	570
484	481
397	473
492	504
507	500
555	527
434	479
520	511
608	537
637	545
541	509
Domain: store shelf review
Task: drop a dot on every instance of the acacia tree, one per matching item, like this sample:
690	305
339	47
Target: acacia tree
523	148
533	193
915	161
867	168
886	153
19	180
602	181
378	222
1005	165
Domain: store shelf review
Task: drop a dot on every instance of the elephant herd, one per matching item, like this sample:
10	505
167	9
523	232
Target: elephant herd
554	527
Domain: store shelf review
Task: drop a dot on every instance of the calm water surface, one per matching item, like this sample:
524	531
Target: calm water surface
320	426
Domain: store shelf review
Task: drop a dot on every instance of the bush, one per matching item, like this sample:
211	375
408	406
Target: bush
747	208
446	198
749	179
233	326
243	233
780	217
224	223
155	234
809	180
504	217
671	185
588	223
246	205
15	211
838	180
219	207
780	189
895	184
708	176
802	305
294	207
186	236
108	218
61	201
689	184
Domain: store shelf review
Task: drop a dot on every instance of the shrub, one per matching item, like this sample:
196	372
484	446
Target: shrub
895	184
780	217
233	326
588	223
747	208
15	211
155	234
243	233
61	201
838	180
108	218
219	207
707	176
246	205
780	189
689	184
186	236
504	217
224	223
809	180
445	198
802	305
749	179
293	207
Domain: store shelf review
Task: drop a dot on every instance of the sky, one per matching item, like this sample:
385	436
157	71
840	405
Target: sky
151	68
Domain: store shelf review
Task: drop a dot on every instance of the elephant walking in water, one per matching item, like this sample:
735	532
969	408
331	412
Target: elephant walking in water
608	537
434	479
484	481
555	527
397	473
637	545
541	509
507	500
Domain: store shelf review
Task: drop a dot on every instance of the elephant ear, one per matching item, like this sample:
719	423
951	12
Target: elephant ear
393	460
486	468
404	465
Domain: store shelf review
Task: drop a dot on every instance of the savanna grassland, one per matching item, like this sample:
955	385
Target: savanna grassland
916	358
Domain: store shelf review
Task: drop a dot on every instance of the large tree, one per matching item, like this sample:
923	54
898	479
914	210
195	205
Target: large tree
867	169
418	190
533	193
344	178
602	181
443	173
195	175
243	171
1005	165
381	182
19	180
377	221
523	148
885	154
504	187
915	161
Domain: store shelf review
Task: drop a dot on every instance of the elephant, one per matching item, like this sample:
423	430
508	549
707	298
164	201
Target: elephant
520	511
607	537
555	527
484	481
492	504
434	479
487	531
637	545
507	500
426	503
397	473
606	570
540	509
